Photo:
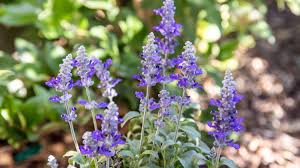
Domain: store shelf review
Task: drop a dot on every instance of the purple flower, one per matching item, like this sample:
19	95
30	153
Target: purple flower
225	119
102	105
168	28
99	117
55	99
152	105
165	103
84	69
63	82
189	68
107	83
92	105
69	116
151	64
90	145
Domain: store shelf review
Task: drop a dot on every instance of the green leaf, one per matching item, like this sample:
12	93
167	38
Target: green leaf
168	143
126	153
150	152
18	14
203	147
70	153
77	158
228	162
130	115
191	159
191	131
227	49
96	4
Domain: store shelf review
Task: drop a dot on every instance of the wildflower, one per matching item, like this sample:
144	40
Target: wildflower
69	117
103	142
107	83
187	63
84	67
168	28
92	105
165	102
52	162
151	64
225	119
63	82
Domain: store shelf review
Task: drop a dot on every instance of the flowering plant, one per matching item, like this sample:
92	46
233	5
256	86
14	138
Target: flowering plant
166	138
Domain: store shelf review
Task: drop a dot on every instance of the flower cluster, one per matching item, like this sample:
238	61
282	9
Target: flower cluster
225	120
102	142
107	83
187	63
63	82
165	102
168	28
151	64
84	68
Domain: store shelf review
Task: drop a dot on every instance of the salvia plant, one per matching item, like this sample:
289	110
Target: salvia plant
164	138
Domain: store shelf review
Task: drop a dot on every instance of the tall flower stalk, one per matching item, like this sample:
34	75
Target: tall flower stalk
225	119
103	142
63	83
150	76
187	63
169	30
85	71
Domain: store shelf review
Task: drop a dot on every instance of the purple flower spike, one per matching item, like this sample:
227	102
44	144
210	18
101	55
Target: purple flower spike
151	64
225	119
168	28
84	69
63	81
69	117
189	68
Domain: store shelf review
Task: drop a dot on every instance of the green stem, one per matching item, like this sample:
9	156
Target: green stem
92	110
165	161
107	162
164	69
144	117
72	129
219	150
179	117
96	163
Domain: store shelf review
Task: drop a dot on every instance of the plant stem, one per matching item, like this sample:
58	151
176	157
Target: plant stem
96	163
107	162
165	161
164	69
179	117
144	117
219	150
92	110
72	129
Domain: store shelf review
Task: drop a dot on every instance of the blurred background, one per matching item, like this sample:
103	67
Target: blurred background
258	39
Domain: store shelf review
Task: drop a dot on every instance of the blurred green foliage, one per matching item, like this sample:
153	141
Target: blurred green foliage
108	28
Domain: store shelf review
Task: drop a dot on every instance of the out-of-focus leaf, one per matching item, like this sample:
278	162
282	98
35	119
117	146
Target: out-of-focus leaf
56	17
191	159
150	152
261	29
228	162
126	153
18	14
227	49
191	131
128	116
